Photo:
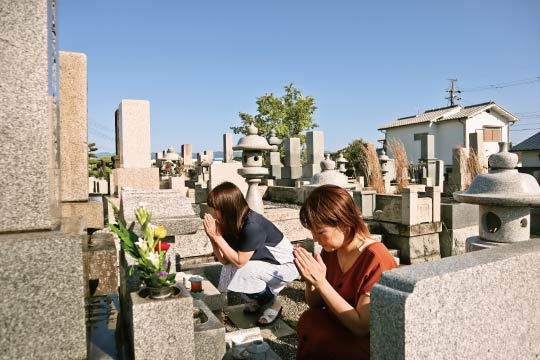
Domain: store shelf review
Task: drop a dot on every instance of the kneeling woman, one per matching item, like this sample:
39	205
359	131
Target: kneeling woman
257	259
339	280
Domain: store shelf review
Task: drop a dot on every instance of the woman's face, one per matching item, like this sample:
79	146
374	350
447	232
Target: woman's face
330	238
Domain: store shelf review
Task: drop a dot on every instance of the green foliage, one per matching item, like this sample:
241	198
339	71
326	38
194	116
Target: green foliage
353	154
153	265
290	115
99	168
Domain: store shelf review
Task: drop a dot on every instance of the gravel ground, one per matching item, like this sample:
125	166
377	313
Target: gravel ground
292	300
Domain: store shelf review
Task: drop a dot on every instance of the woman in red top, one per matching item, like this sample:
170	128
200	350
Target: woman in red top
339	280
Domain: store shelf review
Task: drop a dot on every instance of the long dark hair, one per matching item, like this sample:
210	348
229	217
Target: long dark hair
228	199
331	205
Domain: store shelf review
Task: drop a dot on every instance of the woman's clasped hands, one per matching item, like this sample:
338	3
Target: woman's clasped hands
311	268
210	227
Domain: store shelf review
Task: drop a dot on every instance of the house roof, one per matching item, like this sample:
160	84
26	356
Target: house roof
530	144
455	112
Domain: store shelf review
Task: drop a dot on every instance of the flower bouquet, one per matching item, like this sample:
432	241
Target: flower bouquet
149	251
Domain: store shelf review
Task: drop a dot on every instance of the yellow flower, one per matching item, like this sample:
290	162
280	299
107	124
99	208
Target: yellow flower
160	232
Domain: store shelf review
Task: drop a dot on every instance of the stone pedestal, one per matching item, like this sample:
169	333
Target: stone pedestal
42	294
140	179
365	201
162	329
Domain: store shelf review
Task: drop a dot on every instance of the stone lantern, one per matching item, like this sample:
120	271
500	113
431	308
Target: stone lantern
384	160
341	163
505	197
252	147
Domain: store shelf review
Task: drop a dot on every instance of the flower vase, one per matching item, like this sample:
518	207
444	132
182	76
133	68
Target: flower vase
160	292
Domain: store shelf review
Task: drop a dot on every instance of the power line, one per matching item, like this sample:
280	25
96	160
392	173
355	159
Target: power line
504	84
511	130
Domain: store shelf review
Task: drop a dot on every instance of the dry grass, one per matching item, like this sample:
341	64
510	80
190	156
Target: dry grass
369	162
397	149
474	166
463	165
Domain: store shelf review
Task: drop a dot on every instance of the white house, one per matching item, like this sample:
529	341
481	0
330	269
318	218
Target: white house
451	126
529	151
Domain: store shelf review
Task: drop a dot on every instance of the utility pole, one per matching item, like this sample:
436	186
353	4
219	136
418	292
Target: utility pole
453	97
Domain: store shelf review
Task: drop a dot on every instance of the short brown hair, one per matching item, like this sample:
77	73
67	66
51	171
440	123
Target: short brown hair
331	205
228	199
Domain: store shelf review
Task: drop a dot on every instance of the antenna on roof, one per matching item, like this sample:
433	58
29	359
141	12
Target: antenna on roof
453	97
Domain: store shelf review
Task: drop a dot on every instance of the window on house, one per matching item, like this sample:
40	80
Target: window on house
493	134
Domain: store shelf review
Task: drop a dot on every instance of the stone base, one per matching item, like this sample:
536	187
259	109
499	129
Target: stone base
415	249
476	243
291	172
138	179
209	334
285	194
162	329
309	170
42	313
383	227
197	195
100	265
452	241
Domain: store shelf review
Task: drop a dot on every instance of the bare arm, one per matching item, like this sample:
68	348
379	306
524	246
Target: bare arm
223	251
356	319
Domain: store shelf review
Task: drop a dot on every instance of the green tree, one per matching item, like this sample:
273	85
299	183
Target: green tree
353	154
99	168
93	162
290	115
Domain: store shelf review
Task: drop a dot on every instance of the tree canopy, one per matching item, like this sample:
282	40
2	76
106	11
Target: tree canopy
291	115
353	153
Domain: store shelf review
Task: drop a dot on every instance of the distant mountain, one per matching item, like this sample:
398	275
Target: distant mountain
103	153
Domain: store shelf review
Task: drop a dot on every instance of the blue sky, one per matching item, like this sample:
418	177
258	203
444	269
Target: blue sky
199	63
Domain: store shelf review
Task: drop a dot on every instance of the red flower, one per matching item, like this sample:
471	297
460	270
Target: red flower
163	246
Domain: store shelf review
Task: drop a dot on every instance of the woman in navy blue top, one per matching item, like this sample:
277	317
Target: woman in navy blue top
257	259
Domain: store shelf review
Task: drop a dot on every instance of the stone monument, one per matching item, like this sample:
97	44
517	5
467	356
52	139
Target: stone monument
315	153
252	147
42	312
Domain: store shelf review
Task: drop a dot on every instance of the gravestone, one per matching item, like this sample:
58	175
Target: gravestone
187	154
227	148
133	135
293	167
315	153
41	270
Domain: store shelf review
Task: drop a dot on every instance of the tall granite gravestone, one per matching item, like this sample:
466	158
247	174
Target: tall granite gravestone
133	148
187	154
293	168
315	153
41	270
73	110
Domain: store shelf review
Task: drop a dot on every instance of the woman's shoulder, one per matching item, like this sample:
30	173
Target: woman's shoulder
379	254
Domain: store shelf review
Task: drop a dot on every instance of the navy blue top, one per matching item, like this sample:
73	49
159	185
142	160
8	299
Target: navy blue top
258	233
